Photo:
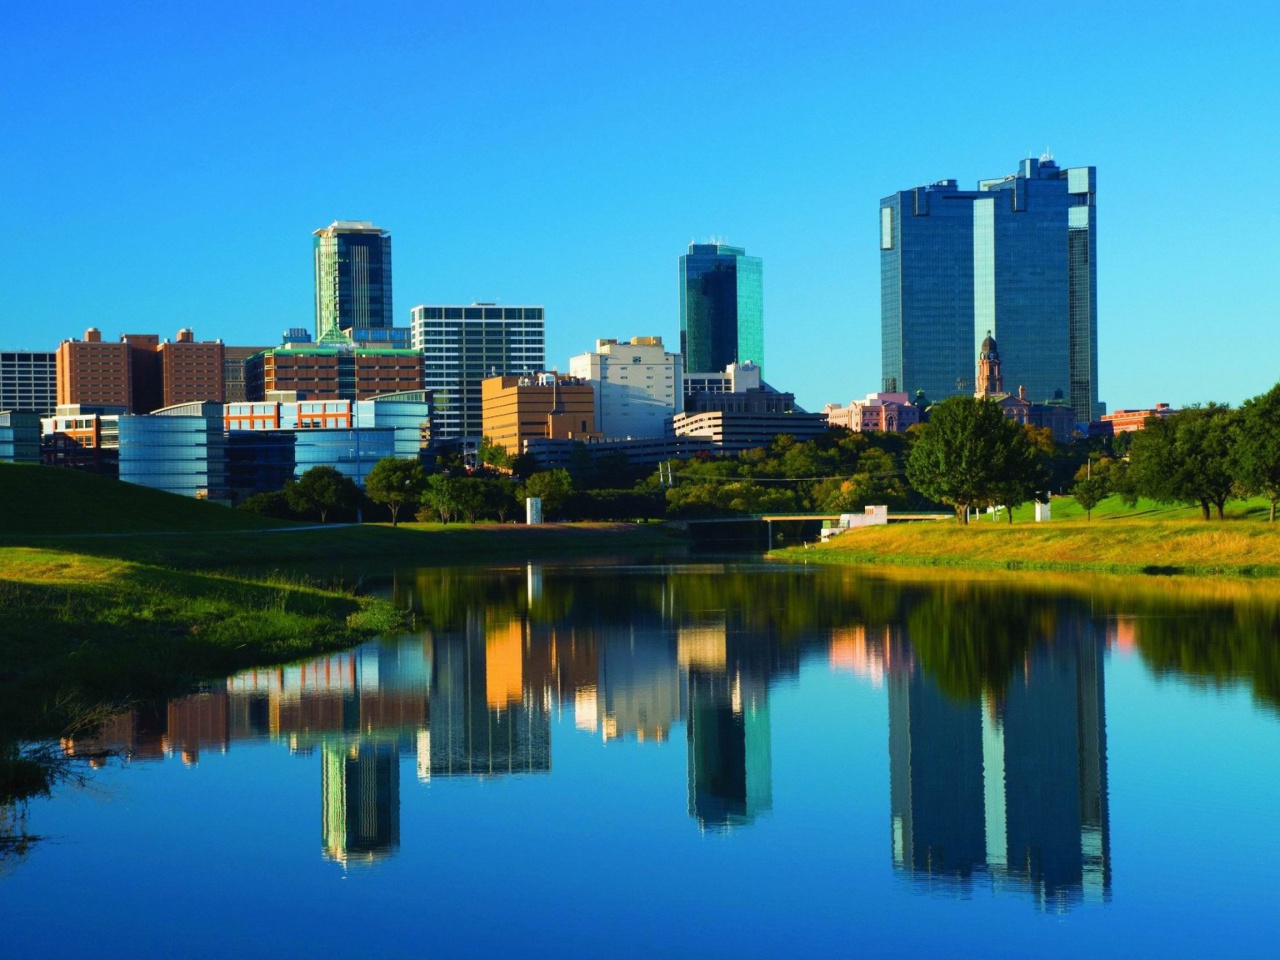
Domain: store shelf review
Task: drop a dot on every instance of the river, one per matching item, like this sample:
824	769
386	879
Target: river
710	760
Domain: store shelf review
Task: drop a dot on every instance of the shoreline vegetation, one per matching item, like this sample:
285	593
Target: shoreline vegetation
1145	539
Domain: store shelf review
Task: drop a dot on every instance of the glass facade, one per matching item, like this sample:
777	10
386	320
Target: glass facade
185	455
1014	259
353	278
260	461
461	346
721	307
19	436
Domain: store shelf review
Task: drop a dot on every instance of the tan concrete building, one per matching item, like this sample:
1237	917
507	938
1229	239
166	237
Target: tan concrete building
538	405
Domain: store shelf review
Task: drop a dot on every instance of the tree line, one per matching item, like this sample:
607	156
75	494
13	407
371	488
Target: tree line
967	455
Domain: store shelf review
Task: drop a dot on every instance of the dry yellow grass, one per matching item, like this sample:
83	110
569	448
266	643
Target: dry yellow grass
1191	546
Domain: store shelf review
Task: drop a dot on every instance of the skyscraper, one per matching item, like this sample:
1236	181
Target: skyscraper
721	307
462	346
1014	259
353	278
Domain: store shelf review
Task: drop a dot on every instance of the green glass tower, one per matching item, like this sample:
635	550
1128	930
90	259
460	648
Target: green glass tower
353	280
721	308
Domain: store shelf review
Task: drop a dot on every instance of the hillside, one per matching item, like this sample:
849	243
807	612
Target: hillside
37	501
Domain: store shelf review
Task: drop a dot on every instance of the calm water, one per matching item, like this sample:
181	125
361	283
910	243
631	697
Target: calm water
699	760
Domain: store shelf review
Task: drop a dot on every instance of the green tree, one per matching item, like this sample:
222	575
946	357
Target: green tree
1255	447
500	497
494	455
1089	492
440	497
395	483
553	486
1021	473
1185	458
271	504
469	499
321	490
969	453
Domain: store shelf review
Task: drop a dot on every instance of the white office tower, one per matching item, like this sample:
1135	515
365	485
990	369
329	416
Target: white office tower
637	383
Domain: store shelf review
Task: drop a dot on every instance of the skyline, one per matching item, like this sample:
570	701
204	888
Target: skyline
168	168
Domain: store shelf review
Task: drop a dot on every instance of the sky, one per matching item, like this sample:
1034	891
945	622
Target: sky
164	165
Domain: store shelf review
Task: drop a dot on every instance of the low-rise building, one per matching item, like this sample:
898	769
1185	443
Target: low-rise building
732	431
179	449
1127	421
82	438
19	436
878	413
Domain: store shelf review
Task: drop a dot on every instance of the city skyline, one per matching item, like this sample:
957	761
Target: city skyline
191	122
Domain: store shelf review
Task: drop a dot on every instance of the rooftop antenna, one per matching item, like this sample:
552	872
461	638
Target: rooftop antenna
1046	156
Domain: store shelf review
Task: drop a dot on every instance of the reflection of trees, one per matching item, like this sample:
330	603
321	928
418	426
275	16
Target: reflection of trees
782	602
972	639
1220	644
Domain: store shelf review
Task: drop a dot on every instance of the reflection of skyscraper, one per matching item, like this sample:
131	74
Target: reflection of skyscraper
360	788
639	682
1047	748
730	762
935	779
1013	785
470	735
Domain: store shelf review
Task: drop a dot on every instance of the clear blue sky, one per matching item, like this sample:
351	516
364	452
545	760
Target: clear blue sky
164	164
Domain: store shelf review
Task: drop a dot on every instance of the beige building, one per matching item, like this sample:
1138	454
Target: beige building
550	405
637	384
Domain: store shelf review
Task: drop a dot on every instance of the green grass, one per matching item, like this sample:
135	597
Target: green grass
40	501
79	632
1147	538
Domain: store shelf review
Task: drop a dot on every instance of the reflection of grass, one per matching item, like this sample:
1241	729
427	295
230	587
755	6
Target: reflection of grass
1136	545
76	631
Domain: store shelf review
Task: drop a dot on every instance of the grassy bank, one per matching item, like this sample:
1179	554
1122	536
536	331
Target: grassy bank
1146	539
78	632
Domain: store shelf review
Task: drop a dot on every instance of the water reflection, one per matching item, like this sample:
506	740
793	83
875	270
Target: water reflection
1010	786
996	704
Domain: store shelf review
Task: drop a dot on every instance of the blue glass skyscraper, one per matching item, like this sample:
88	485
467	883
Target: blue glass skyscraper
721	308
1014	259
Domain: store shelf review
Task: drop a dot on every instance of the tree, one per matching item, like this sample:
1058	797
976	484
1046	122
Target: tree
1020	474
1185	458
395	483
1255	447
553	486
271	504
1089	492
440	497
500	497
494	455
970	453
469	498
320	490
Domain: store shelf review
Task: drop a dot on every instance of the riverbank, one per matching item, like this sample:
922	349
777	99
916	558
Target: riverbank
80	635
1164	546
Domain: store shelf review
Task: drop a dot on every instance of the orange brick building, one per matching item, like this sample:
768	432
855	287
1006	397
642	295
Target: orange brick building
94	373
332	373
537	405
140	373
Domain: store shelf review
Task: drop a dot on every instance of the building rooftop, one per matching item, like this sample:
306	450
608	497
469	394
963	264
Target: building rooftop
349	226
